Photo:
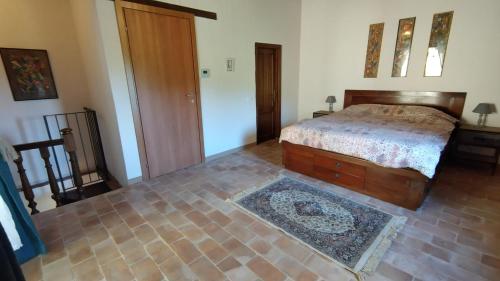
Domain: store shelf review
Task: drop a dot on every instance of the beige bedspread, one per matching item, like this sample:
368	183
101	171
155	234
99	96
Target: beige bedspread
394	136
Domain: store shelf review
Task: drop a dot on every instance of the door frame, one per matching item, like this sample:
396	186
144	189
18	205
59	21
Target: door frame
277	99
129	71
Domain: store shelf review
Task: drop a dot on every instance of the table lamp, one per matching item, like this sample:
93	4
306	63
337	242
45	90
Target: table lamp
331	100
483	109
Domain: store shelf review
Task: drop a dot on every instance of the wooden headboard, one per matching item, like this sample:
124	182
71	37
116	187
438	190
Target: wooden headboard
451	103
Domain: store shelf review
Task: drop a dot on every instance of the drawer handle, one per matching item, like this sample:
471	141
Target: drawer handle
337	175
338	165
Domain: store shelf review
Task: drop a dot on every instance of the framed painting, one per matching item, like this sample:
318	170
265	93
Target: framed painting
438	42
403	47
373	50
29	74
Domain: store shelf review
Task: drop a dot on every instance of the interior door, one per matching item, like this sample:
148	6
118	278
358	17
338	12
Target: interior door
163	56
267	77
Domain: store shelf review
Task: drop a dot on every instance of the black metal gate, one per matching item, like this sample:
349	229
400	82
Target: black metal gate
88	146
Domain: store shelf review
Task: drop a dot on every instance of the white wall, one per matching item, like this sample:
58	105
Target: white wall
118	81
40	25
120	148
228	99
334	39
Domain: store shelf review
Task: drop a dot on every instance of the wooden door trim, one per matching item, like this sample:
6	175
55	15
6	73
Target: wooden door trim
197	89
156	10
134	101
129	71
195	12
277	63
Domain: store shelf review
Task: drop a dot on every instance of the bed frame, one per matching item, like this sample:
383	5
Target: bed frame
403	187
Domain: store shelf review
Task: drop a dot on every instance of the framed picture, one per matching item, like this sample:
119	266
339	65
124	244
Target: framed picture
438	42
403	47
373	50
29	74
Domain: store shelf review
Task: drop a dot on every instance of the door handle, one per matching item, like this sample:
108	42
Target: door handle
190	96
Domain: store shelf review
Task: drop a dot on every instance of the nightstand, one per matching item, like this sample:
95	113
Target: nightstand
320	113
478	144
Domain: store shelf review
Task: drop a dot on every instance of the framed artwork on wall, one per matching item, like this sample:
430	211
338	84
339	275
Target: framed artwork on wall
373	50
403	47
438	42
29	74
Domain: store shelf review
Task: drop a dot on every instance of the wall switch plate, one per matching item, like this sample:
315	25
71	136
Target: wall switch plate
205	73
230	64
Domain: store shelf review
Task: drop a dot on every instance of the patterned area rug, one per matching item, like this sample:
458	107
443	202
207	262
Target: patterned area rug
352	235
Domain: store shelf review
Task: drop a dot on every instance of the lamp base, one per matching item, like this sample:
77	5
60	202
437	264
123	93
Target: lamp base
481	121
330	108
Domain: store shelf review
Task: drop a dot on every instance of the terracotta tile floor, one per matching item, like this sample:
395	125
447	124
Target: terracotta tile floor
178	227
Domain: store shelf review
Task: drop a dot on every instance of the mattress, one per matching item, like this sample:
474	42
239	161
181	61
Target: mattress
395	136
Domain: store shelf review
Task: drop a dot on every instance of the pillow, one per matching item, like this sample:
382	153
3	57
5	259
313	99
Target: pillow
422	111
399	111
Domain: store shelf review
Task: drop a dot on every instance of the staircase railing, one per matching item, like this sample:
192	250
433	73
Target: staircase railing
88	145
68	142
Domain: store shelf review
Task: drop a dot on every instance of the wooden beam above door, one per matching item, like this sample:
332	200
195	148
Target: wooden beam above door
195	12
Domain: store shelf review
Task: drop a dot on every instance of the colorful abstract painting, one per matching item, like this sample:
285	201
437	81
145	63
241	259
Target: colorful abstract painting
373	50
438	42
403	47
29	73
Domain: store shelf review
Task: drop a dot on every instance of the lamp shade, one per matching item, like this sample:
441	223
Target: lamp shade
330	99
483	108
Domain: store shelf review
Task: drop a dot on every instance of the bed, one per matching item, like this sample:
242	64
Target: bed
386	144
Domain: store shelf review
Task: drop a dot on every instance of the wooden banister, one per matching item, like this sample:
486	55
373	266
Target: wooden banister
54	187
25	183
37	145
27	188
43	147
70	147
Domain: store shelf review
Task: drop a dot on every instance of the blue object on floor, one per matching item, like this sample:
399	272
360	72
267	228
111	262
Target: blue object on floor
32	243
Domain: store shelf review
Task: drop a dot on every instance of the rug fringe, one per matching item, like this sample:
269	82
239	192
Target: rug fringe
253	189
390	232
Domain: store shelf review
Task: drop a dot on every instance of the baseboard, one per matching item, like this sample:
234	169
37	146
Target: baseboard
134	180
207	159
230	151
112	182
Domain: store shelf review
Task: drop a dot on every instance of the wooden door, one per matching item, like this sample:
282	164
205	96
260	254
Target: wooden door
268	91
162	53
